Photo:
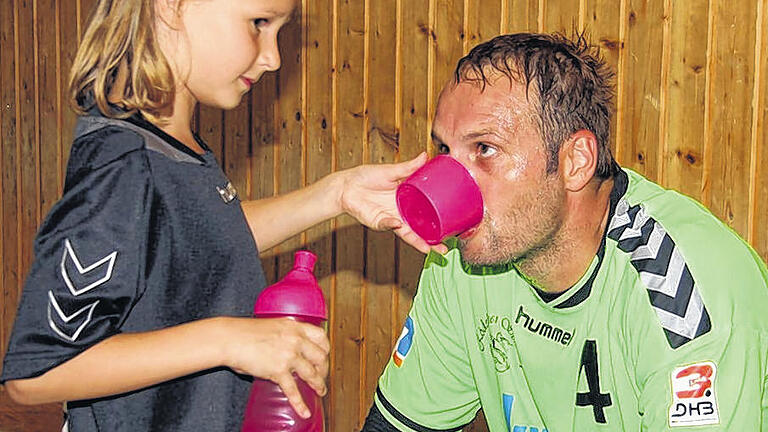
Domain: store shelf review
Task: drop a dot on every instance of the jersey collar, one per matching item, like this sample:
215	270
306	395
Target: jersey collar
578	296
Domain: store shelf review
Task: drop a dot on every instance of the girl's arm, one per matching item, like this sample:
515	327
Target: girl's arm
266	348
366	192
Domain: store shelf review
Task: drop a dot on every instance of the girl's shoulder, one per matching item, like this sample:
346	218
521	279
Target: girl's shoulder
100	146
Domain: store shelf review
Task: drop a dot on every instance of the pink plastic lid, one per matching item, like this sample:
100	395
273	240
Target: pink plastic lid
297	294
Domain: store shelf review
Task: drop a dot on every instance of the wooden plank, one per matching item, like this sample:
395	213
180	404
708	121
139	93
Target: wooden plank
561	16
346	302
726	185
87	8
414	134
26	141
383	141
263	102
26	418
211	130
48	83
67	49
8	162
602	22
520	16
319	143
482	22
638	139
236	146
290	125
447	44
686	91
759	204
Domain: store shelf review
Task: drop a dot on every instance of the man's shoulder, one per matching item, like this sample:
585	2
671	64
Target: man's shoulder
697	273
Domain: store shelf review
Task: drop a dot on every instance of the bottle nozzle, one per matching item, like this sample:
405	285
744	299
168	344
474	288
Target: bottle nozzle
304	259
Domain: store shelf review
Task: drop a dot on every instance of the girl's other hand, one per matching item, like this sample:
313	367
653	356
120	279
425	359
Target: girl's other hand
368	195
275	349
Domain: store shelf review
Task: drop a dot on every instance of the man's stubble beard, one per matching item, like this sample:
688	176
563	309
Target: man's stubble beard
525	233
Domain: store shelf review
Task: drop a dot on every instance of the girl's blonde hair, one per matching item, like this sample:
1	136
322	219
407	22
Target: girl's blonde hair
120	39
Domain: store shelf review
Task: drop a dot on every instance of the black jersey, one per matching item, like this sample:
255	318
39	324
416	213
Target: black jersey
147	235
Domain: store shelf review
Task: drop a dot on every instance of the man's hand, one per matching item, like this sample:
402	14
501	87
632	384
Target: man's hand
368	195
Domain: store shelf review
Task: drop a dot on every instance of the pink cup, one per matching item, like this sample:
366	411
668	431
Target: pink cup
440	199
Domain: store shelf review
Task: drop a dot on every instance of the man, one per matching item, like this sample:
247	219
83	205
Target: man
589	298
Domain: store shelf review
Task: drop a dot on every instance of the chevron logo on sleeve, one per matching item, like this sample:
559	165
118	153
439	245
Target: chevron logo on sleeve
78	319
101	269
664	272
79	279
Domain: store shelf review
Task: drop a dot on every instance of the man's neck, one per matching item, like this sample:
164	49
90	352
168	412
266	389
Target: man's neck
564	260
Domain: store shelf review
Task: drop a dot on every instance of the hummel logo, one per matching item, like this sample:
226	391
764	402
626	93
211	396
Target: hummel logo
227	193
69	252
67	318
71	268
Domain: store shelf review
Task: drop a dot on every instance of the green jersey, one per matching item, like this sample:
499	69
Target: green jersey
665	330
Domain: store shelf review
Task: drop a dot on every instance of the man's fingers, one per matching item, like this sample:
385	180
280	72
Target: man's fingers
288	384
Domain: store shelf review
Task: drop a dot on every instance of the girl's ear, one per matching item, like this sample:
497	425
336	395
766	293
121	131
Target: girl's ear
169	13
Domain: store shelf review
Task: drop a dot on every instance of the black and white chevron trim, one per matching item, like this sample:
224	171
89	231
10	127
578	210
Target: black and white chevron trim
663	270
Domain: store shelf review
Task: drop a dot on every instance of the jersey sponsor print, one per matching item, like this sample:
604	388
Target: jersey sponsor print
693	395
508	401
403	345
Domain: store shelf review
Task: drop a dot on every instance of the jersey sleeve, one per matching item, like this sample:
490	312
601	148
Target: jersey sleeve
428	383
90	255
716	380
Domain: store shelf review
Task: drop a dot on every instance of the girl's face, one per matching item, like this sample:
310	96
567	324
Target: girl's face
219	48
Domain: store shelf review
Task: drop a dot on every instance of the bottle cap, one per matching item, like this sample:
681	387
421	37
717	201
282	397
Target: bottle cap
296	294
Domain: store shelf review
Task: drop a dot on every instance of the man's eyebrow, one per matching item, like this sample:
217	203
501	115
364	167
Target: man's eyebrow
476	134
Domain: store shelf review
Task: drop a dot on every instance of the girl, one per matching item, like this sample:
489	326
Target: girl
136	309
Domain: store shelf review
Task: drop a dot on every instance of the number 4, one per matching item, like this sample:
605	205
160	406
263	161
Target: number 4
593	396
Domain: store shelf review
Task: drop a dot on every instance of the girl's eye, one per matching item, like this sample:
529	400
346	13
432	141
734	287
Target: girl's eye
443	149
258	22
485	150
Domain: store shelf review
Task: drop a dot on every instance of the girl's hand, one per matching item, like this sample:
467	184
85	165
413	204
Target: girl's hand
275	349
368	195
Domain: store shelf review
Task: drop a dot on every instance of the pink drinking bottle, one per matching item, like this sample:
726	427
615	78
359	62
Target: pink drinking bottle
298	296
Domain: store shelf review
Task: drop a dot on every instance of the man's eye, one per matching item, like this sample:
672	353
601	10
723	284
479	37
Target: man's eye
443	149
485	150
258	22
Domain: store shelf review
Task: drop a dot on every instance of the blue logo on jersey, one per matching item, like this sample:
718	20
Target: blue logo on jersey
403	345
507	400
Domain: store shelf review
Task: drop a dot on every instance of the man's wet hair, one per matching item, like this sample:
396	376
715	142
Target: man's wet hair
574	86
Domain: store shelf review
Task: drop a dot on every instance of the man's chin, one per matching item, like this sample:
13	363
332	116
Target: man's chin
474	253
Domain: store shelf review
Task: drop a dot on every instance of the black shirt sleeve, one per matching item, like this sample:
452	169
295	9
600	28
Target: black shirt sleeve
375	422
89	256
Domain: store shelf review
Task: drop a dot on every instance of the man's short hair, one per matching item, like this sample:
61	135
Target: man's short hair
574	86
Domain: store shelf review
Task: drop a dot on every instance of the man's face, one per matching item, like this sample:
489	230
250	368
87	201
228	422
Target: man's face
494	134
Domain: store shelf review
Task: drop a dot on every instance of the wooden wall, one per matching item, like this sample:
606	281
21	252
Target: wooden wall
358	85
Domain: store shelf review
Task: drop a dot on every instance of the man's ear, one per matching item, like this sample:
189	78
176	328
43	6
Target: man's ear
578	159
169	13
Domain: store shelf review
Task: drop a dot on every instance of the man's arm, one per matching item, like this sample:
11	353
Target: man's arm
375	422
428	383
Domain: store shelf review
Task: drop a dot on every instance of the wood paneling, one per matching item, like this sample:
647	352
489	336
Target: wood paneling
359	83
346	302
